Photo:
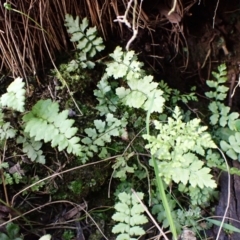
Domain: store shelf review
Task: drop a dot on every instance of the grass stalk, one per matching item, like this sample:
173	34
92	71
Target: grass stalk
160	185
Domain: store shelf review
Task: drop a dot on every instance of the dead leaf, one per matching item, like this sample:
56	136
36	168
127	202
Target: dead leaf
16	168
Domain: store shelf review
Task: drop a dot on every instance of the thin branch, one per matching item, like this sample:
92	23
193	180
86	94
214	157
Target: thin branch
149	215
215	13
173	8
229	194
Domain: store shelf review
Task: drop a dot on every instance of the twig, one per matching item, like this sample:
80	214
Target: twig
229	194
173	8
59	173
135	23
215	13
232	88
2	175
50	203
150	216
123	18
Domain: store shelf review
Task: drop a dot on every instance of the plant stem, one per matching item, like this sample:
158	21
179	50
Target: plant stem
160	182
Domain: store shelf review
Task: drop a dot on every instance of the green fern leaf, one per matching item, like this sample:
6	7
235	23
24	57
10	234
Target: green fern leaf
137	219
181	175
84	24
99	142
6	131
91	31
136	209
86	38
136	231
200	176
157	104
100	125
32	149
214	119
177	163
116	70
225	146
72	24
91	132
212	84
222	89
131	98
211	94
213	107
122	207
121	228
129	215
73	146
233	120
124	64
44	119
15	96
220	96
141	93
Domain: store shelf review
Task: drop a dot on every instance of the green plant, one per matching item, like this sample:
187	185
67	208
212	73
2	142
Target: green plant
174	152
15	96
68	235
101	134
45	118
32	148
87	45
177	147
12	232
86	39
226	124
141	87
173	95
75	186
129	215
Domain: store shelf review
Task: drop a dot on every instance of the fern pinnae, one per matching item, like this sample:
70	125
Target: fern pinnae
15	96
129	215
44	119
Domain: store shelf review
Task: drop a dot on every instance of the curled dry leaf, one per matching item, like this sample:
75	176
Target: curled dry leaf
16	168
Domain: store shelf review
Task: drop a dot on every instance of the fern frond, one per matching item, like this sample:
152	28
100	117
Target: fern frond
121	167
102	134
86	38
222	119
107	99
45	122
129	215
15	96
177	147
6	130
142	92
124	65
32	148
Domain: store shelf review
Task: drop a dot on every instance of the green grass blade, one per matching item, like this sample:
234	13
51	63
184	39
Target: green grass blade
160	183
226	226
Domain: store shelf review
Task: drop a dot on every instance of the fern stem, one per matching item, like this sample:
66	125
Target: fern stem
159	180
2	175
164	200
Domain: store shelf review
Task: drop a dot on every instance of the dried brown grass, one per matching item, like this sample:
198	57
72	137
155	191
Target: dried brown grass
23	51
22	48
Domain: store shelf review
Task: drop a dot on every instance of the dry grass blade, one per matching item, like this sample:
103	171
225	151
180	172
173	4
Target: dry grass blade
150	216
22	48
